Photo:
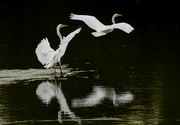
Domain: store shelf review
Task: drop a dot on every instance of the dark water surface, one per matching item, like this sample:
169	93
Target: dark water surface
135	80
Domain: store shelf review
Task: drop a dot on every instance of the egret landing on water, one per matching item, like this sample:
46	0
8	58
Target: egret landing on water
48	56
100	28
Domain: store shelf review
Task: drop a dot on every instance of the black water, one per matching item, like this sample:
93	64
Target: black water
133	80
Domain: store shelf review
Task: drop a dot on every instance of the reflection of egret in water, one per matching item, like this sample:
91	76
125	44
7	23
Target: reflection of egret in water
46	91
101	93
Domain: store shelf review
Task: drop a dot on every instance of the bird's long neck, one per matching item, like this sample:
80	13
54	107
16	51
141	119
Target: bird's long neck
59	34
113	19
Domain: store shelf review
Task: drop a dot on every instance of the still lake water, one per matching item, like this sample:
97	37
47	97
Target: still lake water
135	80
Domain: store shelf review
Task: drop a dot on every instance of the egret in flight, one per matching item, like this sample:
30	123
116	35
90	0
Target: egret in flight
48	56
100	28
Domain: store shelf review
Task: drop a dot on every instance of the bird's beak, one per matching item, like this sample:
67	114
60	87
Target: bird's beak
120	15
64	25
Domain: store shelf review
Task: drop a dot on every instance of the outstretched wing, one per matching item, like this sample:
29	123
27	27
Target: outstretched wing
122	26
71	35
66	40
91	21
44	52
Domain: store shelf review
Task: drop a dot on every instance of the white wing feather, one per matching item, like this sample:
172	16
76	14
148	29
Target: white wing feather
122	26
71	35
91	21
44	52
66	40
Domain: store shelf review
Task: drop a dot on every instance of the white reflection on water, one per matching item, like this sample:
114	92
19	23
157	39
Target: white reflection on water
92	99
46	91
101	93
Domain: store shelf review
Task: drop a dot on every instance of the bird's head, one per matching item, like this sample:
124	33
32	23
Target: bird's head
116	15
61	25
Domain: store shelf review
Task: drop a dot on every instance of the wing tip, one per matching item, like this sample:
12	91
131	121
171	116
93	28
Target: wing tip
132	29
72	16
80	28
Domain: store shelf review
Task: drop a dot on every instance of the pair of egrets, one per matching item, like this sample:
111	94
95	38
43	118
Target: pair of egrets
49	57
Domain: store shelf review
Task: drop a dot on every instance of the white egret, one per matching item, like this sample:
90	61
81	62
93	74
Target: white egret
100	28
48	56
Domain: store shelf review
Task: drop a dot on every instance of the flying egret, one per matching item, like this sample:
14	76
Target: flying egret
48	56
100	28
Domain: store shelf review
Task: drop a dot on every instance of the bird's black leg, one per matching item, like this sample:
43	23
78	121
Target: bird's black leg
100	43
55	69
60	68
